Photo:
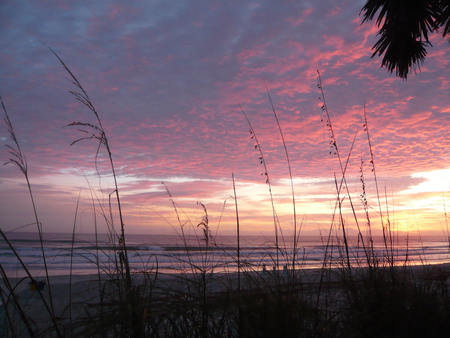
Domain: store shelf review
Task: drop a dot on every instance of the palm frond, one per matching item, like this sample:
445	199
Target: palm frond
405	26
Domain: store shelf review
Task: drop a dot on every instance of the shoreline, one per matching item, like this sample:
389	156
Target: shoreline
439	271
445	267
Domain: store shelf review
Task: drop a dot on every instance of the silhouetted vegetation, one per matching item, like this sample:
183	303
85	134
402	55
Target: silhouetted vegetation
350	296
404	31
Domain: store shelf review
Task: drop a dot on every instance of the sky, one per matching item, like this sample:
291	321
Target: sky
170	81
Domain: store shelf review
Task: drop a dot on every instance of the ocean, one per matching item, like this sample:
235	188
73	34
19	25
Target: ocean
89	254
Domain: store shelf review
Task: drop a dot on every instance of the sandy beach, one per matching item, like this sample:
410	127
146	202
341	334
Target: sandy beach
77	299
68	297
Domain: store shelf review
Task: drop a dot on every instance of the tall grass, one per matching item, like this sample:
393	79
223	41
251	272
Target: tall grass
269	184
349	296
294	209
19	160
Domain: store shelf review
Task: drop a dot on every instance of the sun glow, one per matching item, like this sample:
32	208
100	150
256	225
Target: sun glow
435	181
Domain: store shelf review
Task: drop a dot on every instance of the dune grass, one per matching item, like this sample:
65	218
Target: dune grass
372	295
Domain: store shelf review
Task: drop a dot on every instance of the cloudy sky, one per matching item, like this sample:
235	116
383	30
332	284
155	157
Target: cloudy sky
169	78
